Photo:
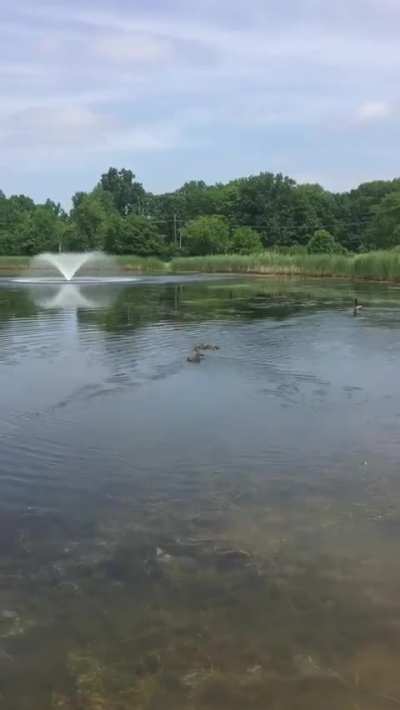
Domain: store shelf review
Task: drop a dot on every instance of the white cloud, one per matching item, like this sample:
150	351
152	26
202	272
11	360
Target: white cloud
311	40
372	111
93	78
50	126
73	132
134	48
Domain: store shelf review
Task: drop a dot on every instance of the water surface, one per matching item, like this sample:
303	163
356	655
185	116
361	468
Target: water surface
221	535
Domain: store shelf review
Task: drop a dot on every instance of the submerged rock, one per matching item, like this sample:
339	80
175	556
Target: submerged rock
163	556
195	678
60	702
12	625
5	657
149	664
8	614
232	559
254	669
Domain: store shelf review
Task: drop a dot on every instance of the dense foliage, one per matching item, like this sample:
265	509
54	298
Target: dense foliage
242	216
323	242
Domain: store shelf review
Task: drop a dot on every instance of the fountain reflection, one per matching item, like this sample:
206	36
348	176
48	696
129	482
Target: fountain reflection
72	297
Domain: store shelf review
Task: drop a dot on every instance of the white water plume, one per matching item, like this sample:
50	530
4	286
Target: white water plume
69	263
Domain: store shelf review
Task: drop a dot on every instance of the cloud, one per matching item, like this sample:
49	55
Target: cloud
79	80
50	126
70	132
134	48
372	111
318	36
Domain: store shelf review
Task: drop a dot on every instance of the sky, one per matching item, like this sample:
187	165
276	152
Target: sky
197	89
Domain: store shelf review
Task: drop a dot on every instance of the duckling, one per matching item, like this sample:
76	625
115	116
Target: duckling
206	346
356	307
197	349
195	356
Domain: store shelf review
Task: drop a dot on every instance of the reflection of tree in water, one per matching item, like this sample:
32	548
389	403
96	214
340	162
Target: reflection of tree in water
181	303
113	307
16	303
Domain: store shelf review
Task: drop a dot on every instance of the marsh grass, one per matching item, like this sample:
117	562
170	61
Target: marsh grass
14	263
372	266
149	264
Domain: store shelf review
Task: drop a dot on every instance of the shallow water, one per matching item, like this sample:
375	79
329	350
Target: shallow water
213	535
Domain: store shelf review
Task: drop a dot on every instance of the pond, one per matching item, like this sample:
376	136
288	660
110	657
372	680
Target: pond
219	535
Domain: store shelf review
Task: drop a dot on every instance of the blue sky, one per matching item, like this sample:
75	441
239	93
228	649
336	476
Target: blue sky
197	89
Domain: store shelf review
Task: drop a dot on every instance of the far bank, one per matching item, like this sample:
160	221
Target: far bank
372	266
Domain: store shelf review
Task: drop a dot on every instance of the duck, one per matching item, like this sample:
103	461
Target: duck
195	356
206	346
356	307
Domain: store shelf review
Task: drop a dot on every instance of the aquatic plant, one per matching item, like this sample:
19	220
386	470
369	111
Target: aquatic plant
375	266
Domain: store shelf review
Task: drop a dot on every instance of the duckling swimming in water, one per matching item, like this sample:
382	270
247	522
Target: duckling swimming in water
356	307
206	346
195	356
197	353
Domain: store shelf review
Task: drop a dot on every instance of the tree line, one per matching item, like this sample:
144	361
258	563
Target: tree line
264	211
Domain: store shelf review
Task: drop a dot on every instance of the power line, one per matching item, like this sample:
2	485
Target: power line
178	221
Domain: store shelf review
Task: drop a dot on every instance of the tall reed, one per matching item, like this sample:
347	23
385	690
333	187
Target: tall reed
375	266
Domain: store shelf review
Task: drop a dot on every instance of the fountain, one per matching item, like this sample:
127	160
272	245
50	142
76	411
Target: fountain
69	263
67	266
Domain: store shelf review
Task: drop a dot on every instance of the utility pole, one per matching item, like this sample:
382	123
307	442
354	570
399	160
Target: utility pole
175	230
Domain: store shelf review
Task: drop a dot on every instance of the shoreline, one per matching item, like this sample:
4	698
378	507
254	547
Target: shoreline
371	267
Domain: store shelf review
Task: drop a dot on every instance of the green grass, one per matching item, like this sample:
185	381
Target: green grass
140	264
14	264
372	266
11	263
268	263
377	266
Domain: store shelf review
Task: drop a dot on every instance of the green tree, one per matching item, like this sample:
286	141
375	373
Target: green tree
90	222
206	235
356	211
246	240
14	211
77	199
282	212
384	231
264	202
138	235
322	242
40	230
8	243
128	194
